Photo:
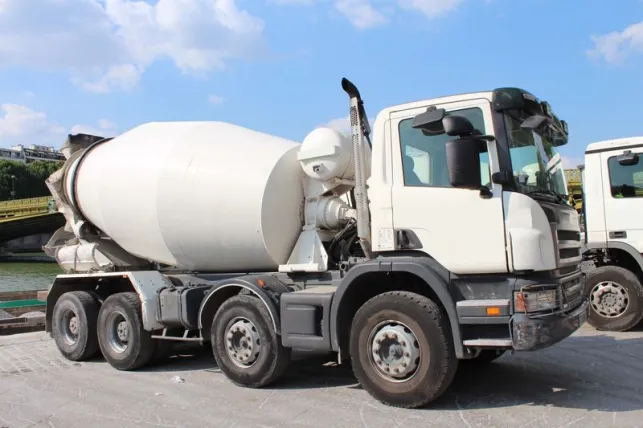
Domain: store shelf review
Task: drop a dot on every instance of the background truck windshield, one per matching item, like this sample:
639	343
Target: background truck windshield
536	163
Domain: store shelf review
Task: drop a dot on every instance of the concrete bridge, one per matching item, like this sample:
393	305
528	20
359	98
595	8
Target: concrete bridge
27	224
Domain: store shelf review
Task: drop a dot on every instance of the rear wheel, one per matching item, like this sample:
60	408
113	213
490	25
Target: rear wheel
616	298
402	349
245	344
74	325
123	340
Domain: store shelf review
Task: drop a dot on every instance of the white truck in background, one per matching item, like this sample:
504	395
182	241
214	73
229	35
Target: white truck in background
612	185
451	247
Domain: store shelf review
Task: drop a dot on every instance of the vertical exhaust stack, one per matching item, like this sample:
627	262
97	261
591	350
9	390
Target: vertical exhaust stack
360	131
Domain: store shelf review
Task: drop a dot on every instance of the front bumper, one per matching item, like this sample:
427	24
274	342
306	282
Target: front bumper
531	334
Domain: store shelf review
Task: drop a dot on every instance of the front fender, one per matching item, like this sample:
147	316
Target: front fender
418	266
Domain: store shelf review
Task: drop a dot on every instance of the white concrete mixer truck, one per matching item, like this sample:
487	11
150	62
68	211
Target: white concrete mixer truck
405	250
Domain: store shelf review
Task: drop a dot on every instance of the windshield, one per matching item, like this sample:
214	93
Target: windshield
537	165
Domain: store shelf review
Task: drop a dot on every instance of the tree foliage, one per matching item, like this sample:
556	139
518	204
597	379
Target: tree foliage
30	178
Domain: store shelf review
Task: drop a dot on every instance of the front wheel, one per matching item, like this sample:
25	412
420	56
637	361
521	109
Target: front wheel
245	344
616	298
402	349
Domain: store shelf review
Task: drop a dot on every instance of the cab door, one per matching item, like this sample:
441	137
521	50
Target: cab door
461	230
623	198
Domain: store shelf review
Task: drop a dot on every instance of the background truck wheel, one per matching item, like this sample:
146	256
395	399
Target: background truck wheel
402	349
74	325
245	344
616	298
122	339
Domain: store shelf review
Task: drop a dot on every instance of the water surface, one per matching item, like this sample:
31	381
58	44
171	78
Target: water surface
16	276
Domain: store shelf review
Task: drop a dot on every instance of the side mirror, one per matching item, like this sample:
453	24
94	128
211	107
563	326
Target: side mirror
628	158
430	122
463	162
457	126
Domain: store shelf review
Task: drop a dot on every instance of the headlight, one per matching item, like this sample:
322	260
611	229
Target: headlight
534	301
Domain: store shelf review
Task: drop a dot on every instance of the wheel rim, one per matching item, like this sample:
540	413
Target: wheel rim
609	299
243	344
394	351
118	332
70	327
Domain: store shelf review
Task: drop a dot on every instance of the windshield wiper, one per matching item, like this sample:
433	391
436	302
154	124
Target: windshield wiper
548	192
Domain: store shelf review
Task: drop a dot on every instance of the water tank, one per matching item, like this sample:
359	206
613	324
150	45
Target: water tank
326	154
208	196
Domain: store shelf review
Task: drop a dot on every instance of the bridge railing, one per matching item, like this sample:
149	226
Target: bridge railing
26	207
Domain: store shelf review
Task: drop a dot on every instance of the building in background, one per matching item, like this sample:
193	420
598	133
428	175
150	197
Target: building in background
31	153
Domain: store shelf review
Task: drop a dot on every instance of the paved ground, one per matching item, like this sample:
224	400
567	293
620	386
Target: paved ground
590	380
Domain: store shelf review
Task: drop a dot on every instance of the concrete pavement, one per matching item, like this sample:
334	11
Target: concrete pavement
592	379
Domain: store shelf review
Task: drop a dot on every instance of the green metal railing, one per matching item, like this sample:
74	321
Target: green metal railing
15	304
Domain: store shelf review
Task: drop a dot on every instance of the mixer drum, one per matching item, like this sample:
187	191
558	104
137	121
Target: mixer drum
208	196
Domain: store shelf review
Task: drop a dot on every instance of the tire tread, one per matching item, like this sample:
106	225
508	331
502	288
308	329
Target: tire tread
90	306
633	286
449	364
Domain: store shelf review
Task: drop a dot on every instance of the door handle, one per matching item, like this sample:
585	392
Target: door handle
618	235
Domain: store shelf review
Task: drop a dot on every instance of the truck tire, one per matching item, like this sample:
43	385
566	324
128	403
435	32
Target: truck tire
402	349
74	325
245	345
616	298
123	340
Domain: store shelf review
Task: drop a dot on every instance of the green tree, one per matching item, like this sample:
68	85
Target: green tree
29	179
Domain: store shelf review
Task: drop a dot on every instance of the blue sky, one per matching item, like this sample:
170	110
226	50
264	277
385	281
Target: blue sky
276	65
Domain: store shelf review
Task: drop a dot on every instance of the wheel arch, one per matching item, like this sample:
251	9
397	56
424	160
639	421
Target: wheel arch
146	284
404	273
224	290
627	257
98	285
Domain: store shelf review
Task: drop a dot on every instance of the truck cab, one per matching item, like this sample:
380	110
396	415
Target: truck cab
612	202
511	214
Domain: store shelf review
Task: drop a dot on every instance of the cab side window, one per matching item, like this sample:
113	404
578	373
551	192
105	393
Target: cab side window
626	181
424	159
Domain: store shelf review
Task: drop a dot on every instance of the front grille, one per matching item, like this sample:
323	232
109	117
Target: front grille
572	293
568	235
569	253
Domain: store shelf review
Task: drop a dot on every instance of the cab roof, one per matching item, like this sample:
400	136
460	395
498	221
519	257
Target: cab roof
438	100
615	144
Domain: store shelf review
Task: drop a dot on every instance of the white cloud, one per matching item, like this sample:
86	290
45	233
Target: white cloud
20	124
431	8
124	76
293	2
105	124
616	46
105	128
363	14
215	99
341	124
108	44
360	13
572	162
